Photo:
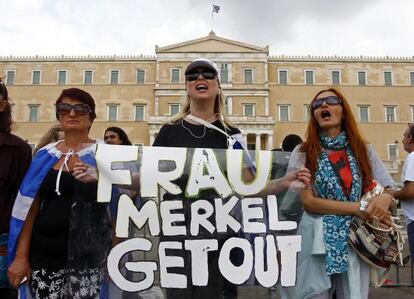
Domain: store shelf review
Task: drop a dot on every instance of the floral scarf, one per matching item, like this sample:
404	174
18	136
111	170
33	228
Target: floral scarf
327	185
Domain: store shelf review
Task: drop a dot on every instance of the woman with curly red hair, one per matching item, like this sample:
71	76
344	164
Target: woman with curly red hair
343	167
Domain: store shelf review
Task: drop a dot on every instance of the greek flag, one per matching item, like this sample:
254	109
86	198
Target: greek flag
44	160
216	8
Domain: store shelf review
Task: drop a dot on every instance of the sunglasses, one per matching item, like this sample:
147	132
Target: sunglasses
80	109
331	100
209	75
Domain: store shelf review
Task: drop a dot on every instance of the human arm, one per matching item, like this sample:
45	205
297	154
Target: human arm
404	194
316	205
20	267
380	205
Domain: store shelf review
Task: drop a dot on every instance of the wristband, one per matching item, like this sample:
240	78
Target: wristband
363	205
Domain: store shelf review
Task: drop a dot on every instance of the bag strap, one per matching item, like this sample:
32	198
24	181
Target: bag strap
207	124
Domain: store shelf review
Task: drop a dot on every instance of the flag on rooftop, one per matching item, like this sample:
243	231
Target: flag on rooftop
216	8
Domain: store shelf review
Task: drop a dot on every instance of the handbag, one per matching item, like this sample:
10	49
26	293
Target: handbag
378	245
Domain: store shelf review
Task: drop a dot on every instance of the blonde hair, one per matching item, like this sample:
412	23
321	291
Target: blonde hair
218	110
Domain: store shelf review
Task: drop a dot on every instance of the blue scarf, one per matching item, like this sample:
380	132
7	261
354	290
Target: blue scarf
327	185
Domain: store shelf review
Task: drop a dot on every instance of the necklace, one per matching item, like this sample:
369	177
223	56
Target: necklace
192	134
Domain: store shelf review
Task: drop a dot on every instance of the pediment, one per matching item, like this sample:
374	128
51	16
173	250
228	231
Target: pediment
212	44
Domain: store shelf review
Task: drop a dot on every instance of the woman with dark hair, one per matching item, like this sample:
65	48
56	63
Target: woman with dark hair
343	167
59	233
115	135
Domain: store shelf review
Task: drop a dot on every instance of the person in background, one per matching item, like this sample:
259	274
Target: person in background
59	234
343	167
54	134
15	157
406	193
290	142
115	135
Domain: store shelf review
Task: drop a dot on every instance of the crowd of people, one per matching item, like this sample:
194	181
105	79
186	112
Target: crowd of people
48	208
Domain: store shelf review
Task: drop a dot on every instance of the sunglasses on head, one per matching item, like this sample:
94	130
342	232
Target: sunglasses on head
331	100
80	109
209	75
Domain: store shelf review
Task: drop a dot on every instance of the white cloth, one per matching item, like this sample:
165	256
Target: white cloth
408	176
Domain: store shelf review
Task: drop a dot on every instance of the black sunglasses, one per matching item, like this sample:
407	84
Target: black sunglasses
80	109
209	75
331	100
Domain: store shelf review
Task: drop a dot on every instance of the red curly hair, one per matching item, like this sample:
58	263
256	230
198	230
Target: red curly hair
313	148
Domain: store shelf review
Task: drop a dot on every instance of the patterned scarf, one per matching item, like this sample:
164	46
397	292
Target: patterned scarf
327	185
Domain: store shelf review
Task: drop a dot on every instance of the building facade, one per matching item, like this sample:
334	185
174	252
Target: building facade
266	96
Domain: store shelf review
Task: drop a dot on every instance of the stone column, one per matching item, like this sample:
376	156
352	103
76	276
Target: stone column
269	141
258	142
152	138
156	106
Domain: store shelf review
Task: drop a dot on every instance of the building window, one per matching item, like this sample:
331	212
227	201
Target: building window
174	109
363	114
139	112
306	112
248	110
36	77
362	78
224	73
390	114
412	78
387	78
284	112
392	152
175	75
62	77
283	77
33	113
112	112
88	77
10	77
336	77
309	77
114	77
140	76
248	76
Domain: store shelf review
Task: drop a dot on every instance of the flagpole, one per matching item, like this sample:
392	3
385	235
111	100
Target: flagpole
212	13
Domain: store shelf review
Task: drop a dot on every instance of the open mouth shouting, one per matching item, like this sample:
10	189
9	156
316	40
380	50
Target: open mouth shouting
201	86
325	114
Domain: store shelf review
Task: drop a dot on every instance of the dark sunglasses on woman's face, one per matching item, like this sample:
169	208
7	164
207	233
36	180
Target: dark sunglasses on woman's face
209	75
80	109
331	100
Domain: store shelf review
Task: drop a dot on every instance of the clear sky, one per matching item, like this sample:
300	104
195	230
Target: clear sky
290	27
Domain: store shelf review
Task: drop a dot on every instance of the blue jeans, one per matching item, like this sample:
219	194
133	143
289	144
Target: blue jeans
410	233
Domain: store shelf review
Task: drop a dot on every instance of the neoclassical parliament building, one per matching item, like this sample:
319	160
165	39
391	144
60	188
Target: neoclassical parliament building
266	96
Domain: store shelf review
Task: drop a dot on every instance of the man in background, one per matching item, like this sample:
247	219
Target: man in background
406	194
15	157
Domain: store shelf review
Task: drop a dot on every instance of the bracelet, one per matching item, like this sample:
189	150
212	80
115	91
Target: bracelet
363	205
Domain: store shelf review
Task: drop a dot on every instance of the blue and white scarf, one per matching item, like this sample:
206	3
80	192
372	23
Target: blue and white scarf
327	185
41	164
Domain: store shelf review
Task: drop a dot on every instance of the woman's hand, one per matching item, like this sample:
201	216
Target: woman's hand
379	207
84	172
298	179
19	271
